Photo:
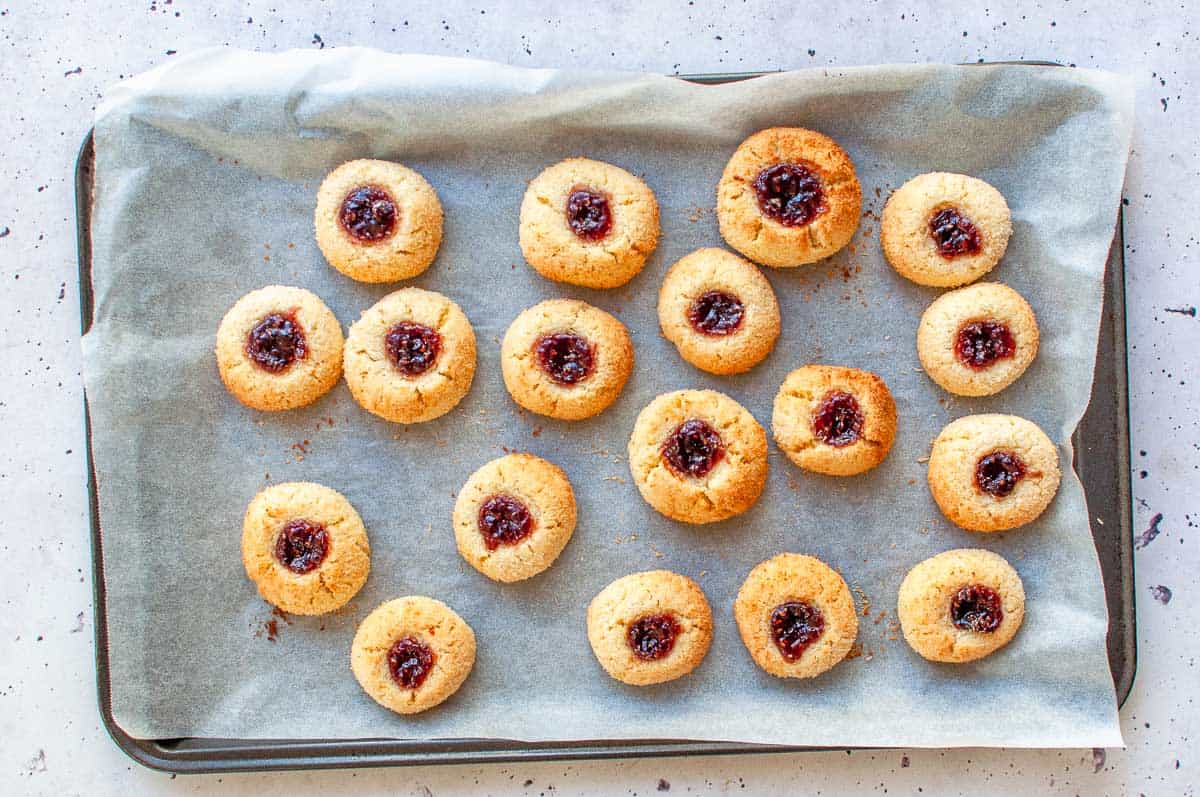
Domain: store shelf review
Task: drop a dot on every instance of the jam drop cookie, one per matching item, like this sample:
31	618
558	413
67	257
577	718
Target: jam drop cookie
412	653
378	221
566	359
960	605
789	196
833	420
411	357
588	223
698	456
993	472
279	348
305	547
647	628
945	230
514	516
719	311
977	340
796	616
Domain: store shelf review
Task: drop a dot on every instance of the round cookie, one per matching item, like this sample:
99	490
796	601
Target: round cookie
304	547
412	653
514	516
647	628
279	348
378	221
588	223
698	456
833	420
977	340
960	605
788	197
566	359
411	356
945	230
796	616
719	311
993	472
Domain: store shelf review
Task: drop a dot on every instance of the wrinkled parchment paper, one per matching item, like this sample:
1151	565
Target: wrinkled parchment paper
205	183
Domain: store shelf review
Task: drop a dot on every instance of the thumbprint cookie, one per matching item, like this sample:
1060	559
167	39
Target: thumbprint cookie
788	197
945	230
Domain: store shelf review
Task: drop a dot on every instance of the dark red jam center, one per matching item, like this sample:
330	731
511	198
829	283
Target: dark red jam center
276	342
412	348
838	420
301	545
653	636
588	214
568	358
954	233
981	343
790	193
368	214
716	313
795	626
503	520
410	661
976	608
997	473
693	449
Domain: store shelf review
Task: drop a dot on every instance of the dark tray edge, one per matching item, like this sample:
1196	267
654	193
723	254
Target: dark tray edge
196	756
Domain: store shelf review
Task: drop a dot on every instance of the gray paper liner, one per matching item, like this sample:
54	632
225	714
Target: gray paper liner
205	182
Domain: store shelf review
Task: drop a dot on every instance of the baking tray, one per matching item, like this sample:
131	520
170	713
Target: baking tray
1101	444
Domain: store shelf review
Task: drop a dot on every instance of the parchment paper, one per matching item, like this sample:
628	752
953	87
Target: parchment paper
205	183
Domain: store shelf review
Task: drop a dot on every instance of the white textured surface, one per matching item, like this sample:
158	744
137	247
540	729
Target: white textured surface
54	742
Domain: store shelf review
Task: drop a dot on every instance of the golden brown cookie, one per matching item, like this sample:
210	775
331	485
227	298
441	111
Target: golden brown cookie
698	456
378	221
588	223
279	348
304	547
833	420
412	653
796	616
993	472
789	196
945	230
719	311
960	605
647	628
514	516
411	356
566	359
977	340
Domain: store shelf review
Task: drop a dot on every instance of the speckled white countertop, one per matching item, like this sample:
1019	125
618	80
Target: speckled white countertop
56	58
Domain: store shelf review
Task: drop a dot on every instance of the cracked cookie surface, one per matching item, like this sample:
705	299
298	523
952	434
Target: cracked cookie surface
719	311
305	548
412	653
588	223
279	348
377	221
834	420
944	230
993	472
566	359
787	197
514	516
698	456
648	628
796	616
960	605
411	356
